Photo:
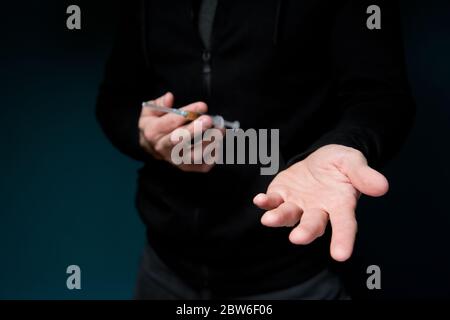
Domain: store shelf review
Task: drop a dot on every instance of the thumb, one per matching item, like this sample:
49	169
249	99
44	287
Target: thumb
166	100
365	179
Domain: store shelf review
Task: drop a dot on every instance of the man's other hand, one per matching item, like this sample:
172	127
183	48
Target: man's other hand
324	186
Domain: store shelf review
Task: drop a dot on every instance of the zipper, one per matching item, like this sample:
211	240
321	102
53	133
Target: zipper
206	71
206	77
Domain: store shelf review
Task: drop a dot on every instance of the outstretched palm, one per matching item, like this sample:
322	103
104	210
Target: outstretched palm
325	186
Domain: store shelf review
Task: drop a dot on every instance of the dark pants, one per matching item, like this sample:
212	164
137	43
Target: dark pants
157	282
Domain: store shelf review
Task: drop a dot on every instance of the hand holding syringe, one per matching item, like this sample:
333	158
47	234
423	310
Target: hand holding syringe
218	121
159	121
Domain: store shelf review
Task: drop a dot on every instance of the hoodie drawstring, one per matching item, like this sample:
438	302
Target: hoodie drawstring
277	22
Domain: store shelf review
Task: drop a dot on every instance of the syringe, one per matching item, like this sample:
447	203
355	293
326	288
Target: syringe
218	121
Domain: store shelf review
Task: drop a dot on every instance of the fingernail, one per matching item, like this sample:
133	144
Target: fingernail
261	196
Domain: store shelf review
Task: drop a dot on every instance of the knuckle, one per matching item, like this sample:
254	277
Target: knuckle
149	135
159	147
143	122
281	190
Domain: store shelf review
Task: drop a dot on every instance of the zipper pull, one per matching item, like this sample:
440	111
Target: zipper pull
206	57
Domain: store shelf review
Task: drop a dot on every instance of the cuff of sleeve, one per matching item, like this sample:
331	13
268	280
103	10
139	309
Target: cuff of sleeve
353	138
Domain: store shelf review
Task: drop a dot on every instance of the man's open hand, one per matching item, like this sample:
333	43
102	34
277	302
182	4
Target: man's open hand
325	186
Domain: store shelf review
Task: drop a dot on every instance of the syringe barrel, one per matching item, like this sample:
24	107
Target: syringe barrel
220	123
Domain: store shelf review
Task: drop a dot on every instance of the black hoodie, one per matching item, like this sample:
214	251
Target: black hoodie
310	68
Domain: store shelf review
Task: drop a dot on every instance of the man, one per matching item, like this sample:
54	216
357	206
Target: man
335	88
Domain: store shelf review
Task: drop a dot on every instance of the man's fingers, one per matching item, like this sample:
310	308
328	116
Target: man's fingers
186	135
286	215
196	127
165	144
344	228
165	100
268	201
312	225
169	122
196	167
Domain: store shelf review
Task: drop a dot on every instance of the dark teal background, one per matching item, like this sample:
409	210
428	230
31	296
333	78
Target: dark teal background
66	196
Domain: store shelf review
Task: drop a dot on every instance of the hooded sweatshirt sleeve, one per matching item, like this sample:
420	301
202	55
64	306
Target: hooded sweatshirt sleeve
376	108
126	81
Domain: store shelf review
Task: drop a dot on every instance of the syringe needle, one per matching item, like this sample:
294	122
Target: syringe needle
218	121
165	109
